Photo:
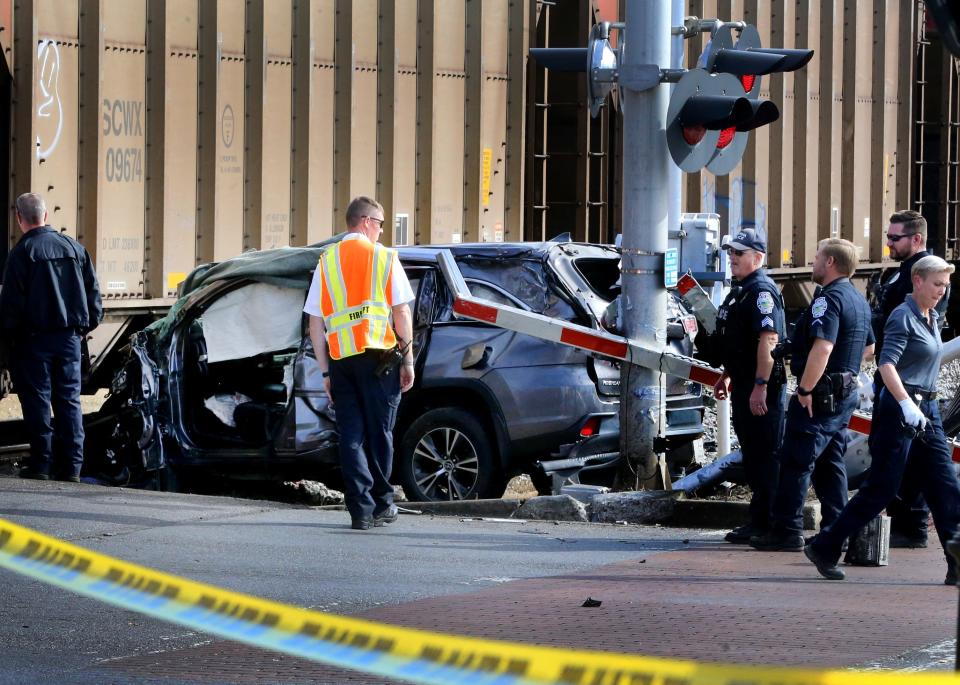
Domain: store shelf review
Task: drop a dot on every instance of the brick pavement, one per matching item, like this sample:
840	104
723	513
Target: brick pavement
711	601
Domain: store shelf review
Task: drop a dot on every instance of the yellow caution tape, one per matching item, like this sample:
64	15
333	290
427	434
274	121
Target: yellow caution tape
402	653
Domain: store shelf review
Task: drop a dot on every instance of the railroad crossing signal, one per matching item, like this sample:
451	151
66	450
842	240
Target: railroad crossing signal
599	60
713	109
706	114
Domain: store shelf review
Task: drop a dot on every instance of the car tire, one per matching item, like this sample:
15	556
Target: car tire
445	454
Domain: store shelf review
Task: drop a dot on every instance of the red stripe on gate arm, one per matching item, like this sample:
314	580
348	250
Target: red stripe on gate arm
686	284
475	310
861	424
704	376
614	348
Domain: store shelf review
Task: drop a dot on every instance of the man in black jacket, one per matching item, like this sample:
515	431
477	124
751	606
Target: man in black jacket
50	299
907	242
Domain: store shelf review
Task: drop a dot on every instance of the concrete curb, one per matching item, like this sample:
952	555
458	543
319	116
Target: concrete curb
666	509
491	508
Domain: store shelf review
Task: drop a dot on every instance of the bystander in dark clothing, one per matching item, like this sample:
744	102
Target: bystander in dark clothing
906	426
50	299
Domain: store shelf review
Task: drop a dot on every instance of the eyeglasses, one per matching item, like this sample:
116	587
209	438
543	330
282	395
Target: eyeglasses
379	221
739	253
893	238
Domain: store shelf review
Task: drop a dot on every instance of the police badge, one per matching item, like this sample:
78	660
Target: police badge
765	302
819	307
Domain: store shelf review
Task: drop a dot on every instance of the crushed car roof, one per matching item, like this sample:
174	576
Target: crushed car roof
293	267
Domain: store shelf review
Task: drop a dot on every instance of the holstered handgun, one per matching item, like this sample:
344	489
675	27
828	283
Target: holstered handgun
830	390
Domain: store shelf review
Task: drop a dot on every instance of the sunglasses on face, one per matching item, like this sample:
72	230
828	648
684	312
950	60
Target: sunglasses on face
739	253
894	238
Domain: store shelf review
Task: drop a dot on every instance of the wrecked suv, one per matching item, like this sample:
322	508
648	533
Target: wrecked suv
227	383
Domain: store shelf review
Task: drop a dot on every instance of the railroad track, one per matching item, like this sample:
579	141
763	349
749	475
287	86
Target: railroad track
12	453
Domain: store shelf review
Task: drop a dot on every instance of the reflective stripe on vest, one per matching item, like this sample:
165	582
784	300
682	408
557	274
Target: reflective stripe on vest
353	329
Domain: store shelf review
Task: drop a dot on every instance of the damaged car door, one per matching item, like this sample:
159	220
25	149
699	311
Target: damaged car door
135	439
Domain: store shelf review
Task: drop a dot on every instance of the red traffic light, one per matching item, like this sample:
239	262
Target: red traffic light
708	119
702	106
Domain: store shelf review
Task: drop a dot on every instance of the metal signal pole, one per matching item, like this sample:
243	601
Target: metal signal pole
648	186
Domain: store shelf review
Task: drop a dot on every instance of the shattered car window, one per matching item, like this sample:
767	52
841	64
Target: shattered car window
602	275
492	293
529	281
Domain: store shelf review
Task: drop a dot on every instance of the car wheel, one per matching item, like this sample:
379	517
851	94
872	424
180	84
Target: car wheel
445	455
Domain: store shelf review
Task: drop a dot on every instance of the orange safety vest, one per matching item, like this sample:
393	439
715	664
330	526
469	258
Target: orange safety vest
355	300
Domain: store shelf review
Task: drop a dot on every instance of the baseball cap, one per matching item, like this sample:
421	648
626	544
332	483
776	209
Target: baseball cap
747	239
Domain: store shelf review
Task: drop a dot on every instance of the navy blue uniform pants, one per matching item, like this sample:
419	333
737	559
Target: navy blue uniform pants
46	372
366	410
908	511
812	451
891	449
760	438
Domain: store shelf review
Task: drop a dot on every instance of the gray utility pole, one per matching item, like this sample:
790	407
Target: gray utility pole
648	181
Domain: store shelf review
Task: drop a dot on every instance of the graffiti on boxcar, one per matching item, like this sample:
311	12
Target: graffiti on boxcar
49	106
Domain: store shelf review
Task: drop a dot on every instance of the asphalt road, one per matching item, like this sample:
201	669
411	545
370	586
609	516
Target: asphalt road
298	555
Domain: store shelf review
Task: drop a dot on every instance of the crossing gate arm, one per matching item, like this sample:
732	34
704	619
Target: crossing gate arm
598	342
566	333
860	423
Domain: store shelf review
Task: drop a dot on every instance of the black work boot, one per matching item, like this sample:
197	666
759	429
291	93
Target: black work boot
827	569
362	523
34	473
777	542
388	515
741	535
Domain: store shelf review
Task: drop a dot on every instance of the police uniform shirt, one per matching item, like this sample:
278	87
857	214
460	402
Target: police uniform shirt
754	305
400	290
840	315
913	346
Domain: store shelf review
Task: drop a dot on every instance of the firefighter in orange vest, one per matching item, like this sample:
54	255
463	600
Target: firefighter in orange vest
361	329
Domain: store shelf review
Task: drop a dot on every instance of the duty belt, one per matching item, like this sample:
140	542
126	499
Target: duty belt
920	394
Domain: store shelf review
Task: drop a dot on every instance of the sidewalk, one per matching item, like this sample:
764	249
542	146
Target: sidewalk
711	602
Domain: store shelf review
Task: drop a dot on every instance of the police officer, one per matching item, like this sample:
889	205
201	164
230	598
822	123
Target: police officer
49	301
906	424
361	329
750	322
830	341
907	243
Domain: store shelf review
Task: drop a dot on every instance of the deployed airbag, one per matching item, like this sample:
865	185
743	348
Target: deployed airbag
251	320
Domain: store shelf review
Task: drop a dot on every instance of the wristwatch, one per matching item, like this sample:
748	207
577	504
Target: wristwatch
325	374
760	381
803	392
